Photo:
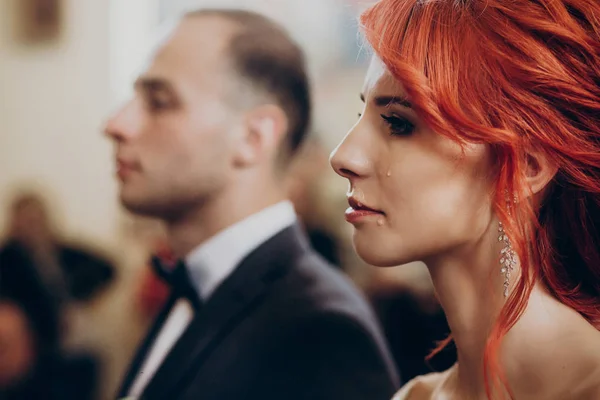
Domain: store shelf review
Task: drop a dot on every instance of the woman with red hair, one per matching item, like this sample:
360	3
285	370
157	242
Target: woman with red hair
478	152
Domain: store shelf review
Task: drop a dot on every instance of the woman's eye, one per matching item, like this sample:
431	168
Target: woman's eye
399	126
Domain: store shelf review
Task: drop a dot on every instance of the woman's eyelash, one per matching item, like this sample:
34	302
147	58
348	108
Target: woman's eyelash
399	126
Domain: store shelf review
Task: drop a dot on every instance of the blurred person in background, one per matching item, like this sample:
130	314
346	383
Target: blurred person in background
205	145
478	153
41	276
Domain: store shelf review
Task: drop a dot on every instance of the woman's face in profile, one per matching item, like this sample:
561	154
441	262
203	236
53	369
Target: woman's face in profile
414	195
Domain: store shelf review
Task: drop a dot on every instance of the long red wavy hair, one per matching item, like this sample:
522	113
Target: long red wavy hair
517	75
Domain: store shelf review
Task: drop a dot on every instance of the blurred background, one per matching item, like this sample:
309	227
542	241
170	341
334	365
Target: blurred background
84	286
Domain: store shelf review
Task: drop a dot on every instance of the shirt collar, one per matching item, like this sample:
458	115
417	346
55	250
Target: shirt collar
212	262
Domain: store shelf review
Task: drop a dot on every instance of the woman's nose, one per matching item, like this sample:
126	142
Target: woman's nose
349	159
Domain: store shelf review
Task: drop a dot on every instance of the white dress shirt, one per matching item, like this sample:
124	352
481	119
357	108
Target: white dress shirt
208	266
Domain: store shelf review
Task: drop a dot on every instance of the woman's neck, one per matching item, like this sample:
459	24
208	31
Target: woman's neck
469	285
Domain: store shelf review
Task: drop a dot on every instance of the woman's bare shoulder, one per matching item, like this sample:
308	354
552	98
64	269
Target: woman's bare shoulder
423	387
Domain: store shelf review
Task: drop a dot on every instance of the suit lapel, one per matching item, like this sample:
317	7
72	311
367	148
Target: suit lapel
145	347
231	303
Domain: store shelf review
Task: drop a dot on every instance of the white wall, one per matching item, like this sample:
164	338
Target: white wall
53	101
133	25
53	104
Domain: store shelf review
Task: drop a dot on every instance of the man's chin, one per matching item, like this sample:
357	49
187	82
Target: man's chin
150	209
136	206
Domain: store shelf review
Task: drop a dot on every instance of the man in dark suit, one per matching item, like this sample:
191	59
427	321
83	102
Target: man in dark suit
204	145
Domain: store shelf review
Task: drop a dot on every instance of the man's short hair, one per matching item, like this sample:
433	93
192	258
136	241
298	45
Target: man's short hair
264	55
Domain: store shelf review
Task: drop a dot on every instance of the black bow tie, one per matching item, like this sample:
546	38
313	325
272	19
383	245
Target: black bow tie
178	279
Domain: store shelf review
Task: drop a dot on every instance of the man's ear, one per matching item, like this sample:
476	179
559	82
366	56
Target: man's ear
265	128
540	171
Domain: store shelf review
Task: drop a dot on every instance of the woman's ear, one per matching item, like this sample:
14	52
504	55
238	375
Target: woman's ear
540	171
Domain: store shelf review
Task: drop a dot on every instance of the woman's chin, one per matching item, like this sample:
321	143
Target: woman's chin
379	257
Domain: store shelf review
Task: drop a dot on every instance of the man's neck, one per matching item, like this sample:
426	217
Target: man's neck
208	219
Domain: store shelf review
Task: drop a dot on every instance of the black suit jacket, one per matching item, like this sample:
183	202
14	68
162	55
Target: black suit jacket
284	325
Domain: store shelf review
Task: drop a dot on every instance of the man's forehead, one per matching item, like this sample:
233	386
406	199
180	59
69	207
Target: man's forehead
209	31
195	45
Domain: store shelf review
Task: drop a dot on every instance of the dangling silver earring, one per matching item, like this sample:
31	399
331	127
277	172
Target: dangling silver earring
508	257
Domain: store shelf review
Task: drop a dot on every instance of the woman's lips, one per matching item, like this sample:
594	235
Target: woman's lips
358	211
